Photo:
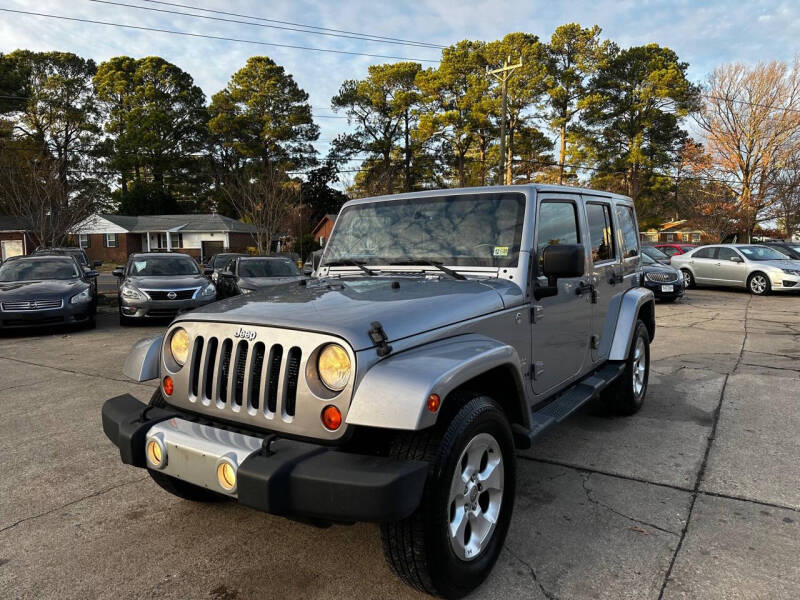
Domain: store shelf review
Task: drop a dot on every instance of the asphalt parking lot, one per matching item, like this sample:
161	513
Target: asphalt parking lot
697	496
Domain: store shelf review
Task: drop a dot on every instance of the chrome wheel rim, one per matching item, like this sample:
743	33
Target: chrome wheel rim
687	278
476	495
758	284
639	367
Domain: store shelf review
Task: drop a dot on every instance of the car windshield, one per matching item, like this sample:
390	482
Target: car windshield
646	260
464	229
761	253
163	266
76	253
39	269
267	267
221	260
653	252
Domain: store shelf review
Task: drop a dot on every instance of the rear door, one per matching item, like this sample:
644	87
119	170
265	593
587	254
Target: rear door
560	338
606	273
704	265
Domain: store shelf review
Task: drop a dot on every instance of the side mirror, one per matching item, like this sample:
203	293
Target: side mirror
563	261
97	263
118	272
736	259
91	274
208	271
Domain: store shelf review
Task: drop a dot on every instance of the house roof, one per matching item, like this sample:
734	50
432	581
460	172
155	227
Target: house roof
177	223
12	223
322	221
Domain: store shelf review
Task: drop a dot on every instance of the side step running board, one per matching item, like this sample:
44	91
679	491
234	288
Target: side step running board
574	397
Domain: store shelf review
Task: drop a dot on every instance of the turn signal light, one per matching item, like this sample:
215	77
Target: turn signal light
169	386
331	417
434	402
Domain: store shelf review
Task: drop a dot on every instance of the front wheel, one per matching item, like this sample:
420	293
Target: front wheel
451	542
758	284
688	278
626	394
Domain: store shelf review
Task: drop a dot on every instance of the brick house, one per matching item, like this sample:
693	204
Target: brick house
322	231
111	238
15	239
679	231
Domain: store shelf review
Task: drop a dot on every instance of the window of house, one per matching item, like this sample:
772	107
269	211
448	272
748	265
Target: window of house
557	225
600	231
176	240
695	237
627	225
670	237
84	241
111	240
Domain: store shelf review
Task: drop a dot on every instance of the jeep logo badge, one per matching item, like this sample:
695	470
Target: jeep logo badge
245	334
172	295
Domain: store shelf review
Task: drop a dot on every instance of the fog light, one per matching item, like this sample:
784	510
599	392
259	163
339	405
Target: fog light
331	417
434	402
156	454
169	386
226	475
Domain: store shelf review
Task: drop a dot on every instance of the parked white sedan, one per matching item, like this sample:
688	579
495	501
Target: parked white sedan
758	268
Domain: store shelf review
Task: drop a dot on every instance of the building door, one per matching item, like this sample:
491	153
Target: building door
9	248
209	249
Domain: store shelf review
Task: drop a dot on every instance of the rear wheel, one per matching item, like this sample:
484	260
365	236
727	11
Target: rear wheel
450	543
177	487
758	284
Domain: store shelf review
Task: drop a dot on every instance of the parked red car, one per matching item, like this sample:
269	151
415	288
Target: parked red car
674	249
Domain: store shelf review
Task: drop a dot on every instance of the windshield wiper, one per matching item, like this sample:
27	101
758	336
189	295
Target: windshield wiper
350	263
430	263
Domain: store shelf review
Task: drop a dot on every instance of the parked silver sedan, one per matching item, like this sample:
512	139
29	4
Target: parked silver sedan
758	268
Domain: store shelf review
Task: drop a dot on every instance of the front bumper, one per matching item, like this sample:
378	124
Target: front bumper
146	308
285	477
69	314
658	288
785	282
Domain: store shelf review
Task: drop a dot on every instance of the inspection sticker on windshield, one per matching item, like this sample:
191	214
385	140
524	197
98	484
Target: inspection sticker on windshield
500	251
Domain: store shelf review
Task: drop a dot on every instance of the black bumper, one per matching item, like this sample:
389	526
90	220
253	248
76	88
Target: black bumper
296	478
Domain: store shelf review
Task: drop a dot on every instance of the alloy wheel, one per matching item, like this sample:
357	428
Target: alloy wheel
639	367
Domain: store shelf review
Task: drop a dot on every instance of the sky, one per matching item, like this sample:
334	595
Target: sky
703	33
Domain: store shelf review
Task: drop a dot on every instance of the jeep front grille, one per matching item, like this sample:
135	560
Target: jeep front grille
260	381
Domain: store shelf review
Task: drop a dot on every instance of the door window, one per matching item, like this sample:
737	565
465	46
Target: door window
599	217
557	224
627	226
726	253
705	253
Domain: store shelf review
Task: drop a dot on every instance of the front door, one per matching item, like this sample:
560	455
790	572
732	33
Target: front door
730	271
560	343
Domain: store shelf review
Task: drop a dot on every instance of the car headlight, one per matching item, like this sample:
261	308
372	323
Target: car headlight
179	345
246	290
131	293
333	366
794	272
81	297
209	290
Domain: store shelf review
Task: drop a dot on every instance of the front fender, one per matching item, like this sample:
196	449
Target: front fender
636	301
393	394
142	361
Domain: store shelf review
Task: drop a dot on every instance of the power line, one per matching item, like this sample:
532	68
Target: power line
748	103
348	35
214	37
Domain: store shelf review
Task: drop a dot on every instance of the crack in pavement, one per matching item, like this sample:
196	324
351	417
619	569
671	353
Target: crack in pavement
596	502
547	594
71	503
768	367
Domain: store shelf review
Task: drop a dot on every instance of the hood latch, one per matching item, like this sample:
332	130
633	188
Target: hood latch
379	338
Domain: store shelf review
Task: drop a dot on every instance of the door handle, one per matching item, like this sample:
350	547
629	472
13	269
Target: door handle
583	288
616	278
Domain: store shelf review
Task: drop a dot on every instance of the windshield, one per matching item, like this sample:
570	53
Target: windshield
469	229
653	252
221	260
761	253
38	270
76	253
163	266
267	268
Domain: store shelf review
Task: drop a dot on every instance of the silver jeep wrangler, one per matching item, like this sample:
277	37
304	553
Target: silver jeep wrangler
446	330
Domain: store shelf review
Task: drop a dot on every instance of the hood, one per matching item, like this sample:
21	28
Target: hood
779	264
346	307
41	290
168	283
257	283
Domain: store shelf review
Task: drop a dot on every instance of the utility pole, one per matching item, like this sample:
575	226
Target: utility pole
503	74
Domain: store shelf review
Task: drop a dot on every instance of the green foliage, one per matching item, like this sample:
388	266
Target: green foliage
318	197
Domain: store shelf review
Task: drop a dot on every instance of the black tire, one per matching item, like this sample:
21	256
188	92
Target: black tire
759	290
688	278
622	395
177	487
418	548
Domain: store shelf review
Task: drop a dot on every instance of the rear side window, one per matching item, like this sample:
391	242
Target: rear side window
599	217
627	226
705	253
557	225
669	250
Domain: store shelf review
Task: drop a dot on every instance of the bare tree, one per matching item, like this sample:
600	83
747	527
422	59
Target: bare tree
751	122
786	208
31	188
263	195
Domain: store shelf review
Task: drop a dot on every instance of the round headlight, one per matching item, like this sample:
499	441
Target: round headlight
179	345
333	365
